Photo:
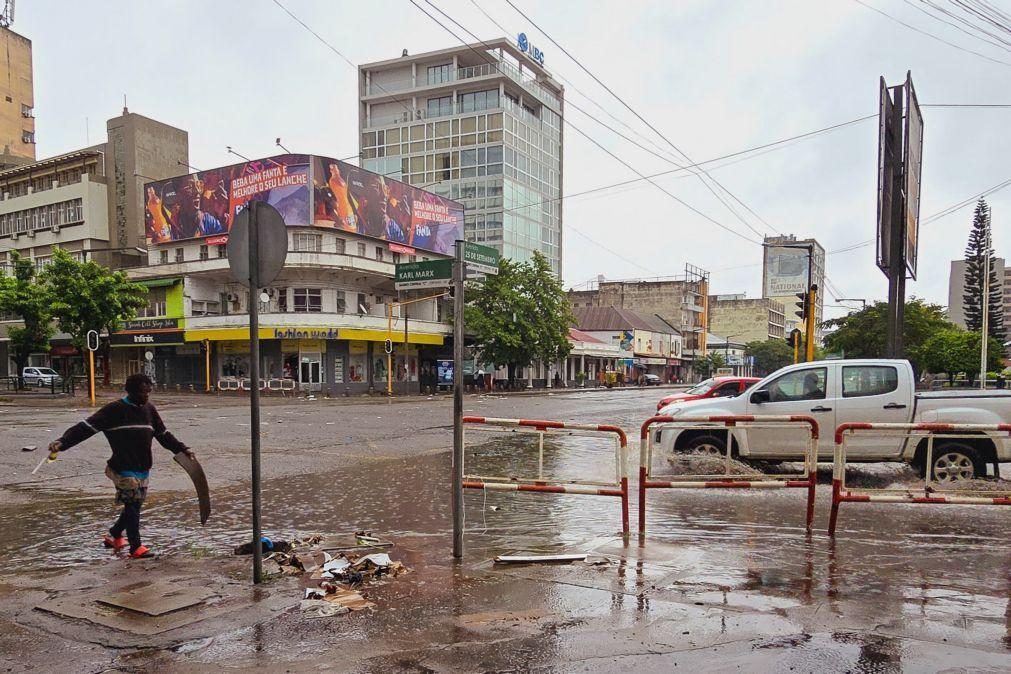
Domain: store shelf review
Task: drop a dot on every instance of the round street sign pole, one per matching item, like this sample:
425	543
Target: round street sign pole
257	248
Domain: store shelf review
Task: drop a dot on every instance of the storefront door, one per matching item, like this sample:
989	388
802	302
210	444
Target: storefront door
310	372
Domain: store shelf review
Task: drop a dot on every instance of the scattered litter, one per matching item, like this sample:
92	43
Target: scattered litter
539	559
319	608
29	448
334	580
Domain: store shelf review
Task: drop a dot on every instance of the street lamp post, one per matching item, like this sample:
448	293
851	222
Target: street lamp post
726	348
861	300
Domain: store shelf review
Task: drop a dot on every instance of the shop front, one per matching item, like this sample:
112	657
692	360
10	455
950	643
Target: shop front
330	361
149	346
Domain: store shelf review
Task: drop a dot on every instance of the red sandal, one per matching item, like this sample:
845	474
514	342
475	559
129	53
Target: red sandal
115	543
141	553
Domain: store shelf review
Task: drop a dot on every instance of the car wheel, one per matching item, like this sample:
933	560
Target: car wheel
956	462
707	444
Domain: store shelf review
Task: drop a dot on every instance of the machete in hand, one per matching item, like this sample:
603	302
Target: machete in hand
196	473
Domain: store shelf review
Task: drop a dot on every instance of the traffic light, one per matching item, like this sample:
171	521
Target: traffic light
801	305
791	339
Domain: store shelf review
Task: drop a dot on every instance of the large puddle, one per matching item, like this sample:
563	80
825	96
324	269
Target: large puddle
946	567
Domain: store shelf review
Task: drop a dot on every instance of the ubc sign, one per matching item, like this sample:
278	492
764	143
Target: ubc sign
533	52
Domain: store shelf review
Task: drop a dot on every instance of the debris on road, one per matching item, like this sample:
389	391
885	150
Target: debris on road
707	464
540	559
335	580
29	448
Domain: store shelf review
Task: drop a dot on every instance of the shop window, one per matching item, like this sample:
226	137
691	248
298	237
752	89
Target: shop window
308	300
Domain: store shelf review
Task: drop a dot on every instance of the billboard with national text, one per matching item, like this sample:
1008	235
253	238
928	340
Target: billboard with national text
308	191
786	271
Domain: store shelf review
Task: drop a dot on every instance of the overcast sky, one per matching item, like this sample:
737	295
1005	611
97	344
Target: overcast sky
715	77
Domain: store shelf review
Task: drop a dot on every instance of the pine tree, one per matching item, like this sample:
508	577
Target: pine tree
977	253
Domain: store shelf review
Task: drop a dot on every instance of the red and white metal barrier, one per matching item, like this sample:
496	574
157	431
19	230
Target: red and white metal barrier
551	485
928	492
806	480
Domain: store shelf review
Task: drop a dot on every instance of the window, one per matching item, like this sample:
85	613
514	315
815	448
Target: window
798	385
308	299
727	390
868	380
163	257
28	137
361	249
204	252
379	254
439	74
363	306
206	308
396	258
26	110
440	107
156	304
476	101
179	255
340	302
282	299
341	246
312	243
222	250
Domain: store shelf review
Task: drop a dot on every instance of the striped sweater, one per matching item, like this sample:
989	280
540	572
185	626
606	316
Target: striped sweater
129	429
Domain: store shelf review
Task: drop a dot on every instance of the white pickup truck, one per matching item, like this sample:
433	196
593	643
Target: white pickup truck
838	391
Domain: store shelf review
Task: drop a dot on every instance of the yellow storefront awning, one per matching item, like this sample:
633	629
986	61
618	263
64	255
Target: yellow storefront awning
350	334
363	335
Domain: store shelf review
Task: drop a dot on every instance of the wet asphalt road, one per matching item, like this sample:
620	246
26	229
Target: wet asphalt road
724	580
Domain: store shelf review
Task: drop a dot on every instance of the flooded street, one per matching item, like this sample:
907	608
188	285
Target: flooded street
724	579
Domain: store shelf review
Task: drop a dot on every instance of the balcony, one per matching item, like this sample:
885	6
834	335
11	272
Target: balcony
529	84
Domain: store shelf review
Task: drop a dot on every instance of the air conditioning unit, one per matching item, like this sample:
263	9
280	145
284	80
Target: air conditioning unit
15	235
30	233
55	229
232	297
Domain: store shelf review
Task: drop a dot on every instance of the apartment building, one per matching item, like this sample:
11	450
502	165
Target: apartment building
479	124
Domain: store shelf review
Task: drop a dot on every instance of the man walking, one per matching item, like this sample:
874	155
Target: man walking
129	425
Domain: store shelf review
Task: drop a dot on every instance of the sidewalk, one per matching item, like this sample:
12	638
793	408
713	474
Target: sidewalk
232	399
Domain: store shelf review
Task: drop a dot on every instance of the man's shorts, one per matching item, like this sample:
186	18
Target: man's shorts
129	489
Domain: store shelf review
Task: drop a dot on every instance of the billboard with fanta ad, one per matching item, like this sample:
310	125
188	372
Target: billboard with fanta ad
308	191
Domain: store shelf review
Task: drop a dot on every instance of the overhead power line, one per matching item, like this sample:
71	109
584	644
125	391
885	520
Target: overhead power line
569	123
930	35
648	124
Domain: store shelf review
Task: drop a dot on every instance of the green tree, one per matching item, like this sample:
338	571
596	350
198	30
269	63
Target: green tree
978	254
861	334
23	296
769	354
955	351
708	366
89	296
520	315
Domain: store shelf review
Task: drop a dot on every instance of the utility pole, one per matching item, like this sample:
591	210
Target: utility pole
812	299
459	275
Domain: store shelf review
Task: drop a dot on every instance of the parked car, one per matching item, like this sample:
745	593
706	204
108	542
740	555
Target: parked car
651	380
840	391
716	387
40	376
